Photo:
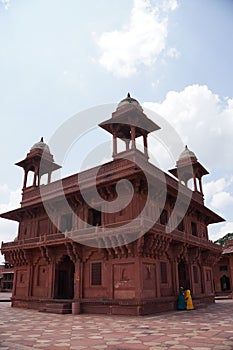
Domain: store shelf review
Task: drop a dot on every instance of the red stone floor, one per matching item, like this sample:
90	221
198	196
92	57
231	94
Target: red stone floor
202	329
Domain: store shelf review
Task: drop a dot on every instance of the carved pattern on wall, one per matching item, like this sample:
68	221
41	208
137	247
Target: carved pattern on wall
208	258
74	251
47	254
178	252
193	254
155	245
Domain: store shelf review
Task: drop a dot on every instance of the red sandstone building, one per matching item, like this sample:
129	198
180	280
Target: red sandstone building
223	271
91	259
6	277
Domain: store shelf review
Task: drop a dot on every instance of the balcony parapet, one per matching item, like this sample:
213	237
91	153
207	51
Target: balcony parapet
116	234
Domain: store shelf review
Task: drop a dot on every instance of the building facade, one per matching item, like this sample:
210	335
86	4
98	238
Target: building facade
130	260
6	277
223	271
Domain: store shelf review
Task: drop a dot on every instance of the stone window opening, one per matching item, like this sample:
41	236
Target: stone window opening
163	219
163	272
66	223
194	228
96	274
94	217
180	225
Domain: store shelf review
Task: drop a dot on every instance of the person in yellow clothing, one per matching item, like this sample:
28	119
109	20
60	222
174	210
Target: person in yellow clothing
188	300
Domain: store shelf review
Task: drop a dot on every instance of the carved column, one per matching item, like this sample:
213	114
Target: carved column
78	277
52	274
158	279
145	145
133	135
114	144
30	279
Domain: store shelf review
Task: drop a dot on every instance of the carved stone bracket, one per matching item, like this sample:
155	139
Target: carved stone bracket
208	258
18	257
155	245
87	255
193	254
178	252
46	253
73	251
139	246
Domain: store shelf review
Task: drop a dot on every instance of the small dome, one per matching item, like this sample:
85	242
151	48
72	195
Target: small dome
129	100
41	145
187	154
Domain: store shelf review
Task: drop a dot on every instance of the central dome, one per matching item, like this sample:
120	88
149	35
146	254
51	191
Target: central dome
129	101
41	145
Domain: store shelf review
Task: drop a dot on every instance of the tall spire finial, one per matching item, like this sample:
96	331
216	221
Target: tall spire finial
128	95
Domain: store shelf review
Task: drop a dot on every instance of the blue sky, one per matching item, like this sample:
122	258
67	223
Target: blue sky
61	57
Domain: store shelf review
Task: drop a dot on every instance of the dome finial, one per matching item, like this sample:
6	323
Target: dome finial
187	154
128	95
42	139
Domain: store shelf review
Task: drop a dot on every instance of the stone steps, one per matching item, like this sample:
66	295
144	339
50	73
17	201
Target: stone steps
57	308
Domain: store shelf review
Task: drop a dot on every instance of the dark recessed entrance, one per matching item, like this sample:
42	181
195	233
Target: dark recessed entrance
183	273
225	283
64	279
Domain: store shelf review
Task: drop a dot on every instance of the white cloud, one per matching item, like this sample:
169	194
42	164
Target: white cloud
203	121
173	53
221	200
223	229
4	188
140	42
218	193
14	199
226	228
218	186
6	4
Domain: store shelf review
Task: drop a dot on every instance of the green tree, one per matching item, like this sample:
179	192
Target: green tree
222	241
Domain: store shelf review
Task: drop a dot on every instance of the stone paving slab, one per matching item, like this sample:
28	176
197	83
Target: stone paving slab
203	329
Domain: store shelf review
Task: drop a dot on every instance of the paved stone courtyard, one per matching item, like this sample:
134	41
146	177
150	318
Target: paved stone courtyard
203	329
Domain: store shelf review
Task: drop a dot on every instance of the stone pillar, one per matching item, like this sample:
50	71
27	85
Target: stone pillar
138	278
25	178
114	144
195	183
30	279
175	277
51	280
49	177
200	185
78	280
203	285
34	179
133	137
14	282
145	145
158	279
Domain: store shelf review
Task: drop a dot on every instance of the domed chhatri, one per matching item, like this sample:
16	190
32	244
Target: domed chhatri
128	123
41	145
129	101
187	154
188	167
39	161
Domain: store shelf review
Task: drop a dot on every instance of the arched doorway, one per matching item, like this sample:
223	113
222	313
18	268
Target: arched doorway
183	273
225	283
64	279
